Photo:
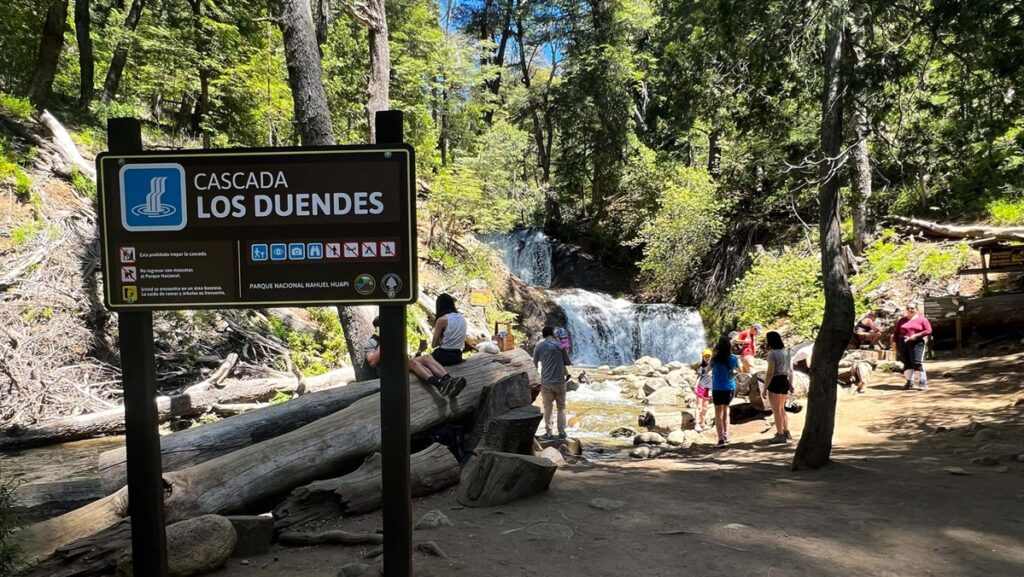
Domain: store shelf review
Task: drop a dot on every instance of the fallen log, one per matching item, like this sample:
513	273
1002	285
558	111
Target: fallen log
65	146
967	231
111	421
431	470
200	444
334	537
253	474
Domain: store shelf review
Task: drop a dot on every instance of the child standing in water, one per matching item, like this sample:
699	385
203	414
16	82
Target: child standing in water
703	390
724	365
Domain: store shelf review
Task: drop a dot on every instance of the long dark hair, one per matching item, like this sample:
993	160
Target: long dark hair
723	351
774	340
445	305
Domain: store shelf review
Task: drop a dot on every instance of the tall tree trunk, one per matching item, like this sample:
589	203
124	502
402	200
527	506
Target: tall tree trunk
295	17
715	153
201	44
494	84
120	57
309	98
86	62
50	45
373	15
860	175
815	446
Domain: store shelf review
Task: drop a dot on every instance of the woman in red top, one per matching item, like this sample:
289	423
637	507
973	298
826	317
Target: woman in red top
908	342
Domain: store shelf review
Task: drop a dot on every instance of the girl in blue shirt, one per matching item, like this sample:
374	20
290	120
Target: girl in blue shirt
723	386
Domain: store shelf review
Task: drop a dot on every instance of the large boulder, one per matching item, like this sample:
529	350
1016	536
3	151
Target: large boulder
653	384
648	363
663	396
194	547
649	438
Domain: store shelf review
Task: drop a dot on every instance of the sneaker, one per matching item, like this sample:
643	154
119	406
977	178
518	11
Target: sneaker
789	436
777	439
923	386
547	437
907	385
721	441
562	436
454	386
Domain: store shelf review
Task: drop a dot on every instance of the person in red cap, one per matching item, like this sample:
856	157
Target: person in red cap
746	341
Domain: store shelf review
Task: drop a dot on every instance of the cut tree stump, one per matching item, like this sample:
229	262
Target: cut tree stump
200	444
497	478
511	432
111	421
432	470
236	481
509	393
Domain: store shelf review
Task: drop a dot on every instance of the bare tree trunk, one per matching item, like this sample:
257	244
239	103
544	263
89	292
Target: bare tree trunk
815	445
120	57
312	115
357	323
50	45
373	15
860	175
494	84
86	62
715	153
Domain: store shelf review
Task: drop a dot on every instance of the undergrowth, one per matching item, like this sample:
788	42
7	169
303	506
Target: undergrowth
9	550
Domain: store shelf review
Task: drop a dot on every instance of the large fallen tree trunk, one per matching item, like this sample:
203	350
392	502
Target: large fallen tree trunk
967	231
235	481
431	470
190	404
200	444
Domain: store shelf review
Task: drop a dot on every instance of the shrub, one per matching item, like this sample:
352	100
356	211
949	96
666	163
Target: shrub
787	287
19	107
940	263
1006	212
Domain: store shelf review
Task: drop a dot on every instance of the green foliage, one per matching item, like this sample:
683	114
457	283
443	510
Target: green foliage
317	352
687	224
459	204
9	549
786	287
11	172
23	232
887	259
281	397
19	107
82	184
1007	212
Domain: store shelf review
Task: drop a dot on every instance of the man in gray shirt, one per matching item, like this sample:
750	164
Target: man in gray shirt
553	358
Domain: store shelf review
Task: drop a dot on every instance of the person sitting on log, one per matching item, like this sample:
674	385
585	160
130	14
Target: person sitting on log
867	332
449	332
552	359
424	367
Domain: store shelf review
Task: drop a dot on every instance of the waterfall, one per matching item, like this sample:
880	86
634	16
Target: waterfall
527	253
610	331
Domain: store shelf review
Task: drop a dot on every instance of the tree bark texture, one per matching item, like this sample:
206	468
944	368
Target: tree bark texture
51	43
189	404
200	444
120	57
497	399
313	117
251	475
431	470
860	174
357	323
497	478
86	60
1010	233
498	60
815	446
373	15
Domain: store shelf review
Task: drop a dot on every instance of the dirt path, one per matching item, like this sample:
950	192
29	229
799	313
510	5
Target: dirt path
902	500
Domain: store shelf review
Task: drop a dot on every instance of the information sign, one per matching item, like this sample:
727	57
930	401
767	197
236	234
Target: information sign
481	298
255	228
1006	257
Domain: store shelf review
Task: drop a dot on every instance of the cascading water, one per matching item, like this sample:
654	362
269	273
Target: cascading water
610	331
527	253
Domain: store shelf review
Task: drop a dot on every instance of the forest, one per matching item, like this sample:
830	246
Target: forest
669	136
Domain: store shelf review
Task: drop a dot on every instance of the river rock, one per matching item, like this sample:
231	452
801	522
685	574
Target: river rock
648	363
645	452
743	383
687	420
1001	450
194	547
985	435
623	432
604	369
554	455
664	370
678	438
569	446
675	365
654	384
621	370
663	396
606	504
801	384
436	519
649	438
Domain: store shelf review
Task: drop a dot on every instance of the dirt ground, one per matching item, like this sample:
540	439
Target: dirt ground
903	499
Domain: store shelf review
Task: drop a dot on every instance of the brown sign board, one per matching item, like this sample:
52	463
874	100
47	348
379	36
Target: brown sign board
1005	257
255	228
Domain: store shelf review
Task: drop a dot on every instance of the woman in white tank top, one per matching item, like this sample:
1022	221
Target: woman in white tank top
449	332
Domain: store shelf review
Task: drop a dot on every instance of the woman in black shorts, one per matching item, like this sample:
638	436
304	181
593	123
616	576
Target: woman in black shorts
449	332
780	383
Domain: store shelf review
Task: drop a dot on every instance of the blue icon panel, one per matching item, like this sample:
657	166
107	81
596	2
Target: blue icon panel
278	251
296	251
153	197
260	252
314	251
